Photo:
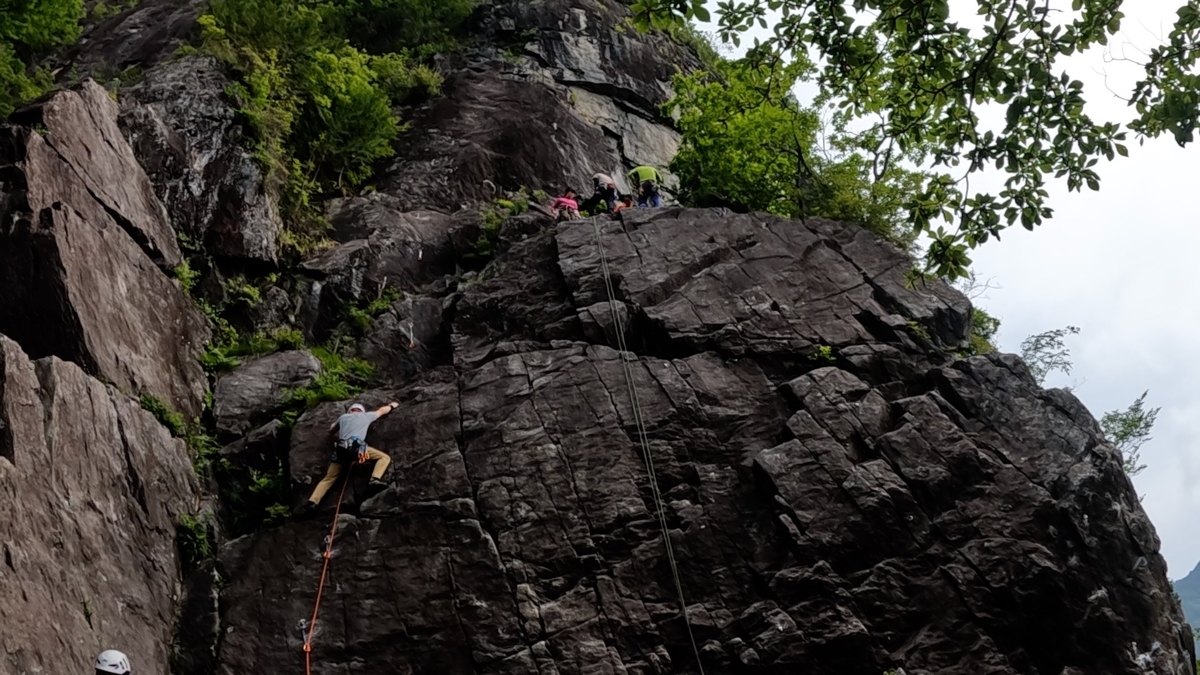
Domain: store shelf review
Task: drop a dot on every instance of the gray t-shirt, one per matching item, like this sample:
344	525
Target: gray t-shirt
355	425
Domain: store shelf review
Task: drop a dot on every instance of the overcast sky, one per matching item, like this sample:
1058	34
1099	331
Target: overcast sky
1119	264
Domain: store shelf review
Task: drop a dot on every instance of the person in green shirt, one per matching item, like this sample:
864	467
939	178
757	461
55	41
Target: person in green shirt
647	179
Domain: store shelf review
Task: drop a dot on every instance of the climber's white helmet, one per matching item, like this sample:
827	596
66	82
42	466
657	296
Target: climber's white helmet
112	661
357	407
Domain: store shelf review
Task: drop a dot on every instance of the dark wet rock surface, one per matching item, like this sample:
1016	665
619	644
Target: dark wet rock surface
842	493
259	388
829	513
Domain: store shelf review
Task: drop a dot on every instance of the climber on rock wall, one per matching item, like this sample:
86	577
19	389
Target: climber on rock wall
112	661
565	207
351	446
605	191
625	203
646	179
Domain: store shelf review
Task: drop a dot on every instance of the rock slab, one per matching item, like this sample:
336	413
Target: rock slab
876	505
75	284
257	390
81	126
90	486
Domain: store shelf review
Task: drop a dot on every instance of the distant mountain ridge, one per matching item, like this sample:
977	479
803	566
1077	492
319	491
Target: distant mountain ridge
1188	589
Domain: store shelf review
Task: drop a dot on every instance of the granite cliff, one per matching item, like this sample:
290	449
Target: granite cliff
842	493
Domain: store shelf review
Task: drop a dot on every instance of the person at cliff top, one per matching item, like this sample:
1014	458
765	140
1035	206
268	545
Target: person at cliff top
113	662
625	203
605	190
647	180
565	207
351	446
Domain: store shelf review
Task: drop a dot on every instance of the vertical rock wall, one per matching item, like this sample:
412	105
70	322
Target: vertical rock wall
843	496
90	487
80	234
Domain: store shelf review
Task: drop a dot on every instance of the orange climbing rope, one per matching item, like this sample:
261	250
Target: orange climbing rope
312	623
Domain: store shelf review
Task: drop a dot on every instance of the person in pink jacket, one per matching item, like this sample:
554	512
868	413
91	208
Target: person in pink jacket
565	207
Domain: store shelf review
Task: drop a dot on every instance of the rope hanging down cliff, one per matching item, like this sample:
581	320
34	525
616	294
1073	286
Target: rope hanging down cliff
643	438
312	623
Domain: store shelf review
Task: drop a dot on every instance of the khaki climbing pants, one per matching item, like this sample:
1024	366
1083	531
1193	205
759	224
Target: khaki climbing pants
335	469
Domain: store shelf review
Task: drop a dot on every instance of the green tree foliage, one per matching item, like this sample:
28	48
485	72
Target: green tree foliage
194	539
168	417
28	28
746	139
1047	352
346	122
383	26
983	330
321	107
1128	430
1167	100
919	78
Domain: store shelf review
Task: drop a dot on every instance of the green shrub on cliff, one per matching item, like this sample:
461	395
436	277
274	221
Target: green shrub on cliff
341	378
317	82
194	539
28	30
747	140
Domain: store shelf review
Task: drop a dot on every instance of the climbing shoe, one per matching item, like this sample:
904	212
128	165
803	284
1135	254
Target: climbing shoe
304	510
376	486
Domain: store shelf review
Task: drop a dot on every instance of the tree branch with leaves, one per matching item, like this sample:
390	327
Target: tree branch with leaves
919	78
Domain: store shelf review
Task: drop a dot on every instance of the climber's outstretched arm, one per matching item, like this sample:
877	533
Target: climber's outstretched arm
387	409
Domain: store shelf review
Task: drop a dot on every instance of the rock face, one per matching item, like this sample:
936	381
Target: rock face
842	496
683	440
141	36
495	124
74	283
81	127
257	390
90	486
185	134
77	286
1188	589
567	89
411	337
380	246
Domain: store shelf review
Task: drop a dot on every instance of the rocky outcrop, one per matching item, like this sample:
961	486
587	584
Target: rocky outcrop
747	285
81	127
74	284
90	487
840	492
381	246
842	495
1188	589
498	127
564	89
142	36
411	337
185	133
258	389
